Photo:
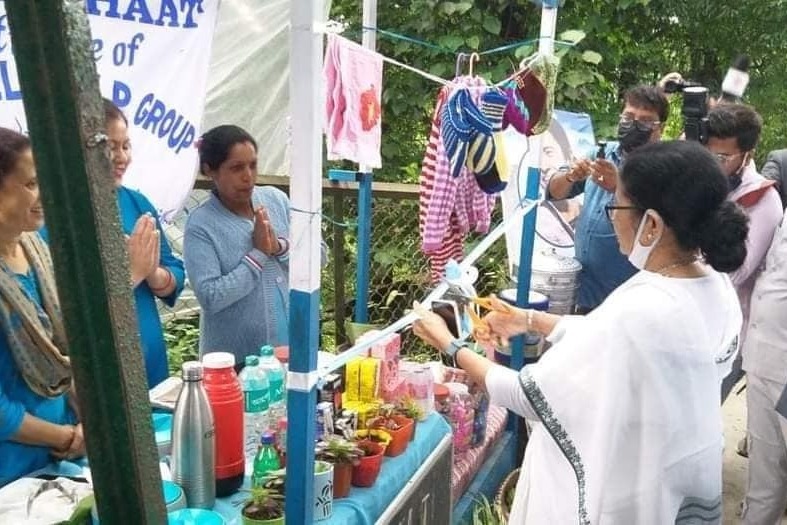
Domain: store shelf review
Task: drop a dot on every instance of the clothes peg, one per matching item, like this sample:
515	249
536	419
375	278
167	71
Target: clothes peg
475	56
459	59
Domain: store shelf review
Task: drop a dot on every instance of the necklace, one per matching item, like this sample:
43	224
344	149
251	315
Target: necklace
678	264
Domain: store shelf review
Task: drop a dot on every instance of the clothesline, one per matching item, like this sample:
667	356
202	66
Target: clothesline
338	28
506	47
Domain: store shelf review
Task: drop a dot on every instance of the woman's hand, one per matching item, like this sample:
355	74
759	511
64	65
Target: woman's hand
263	236
76	448
431	328
505	321
143	249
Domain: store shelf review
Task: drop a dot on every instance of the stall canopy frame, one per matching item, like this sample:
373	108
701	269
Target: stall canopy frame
307	19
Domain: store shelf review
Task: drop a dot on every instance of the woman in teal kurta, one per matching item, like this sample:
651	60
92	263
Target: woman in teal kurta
155	271
38	416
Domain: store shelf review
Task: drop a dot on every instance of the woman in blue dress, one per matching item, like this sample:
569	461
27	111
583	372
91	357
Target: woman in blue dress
155	271
38	414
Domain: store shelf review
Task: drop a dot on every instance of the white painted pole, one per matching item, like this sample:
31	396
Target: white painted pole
546	37
307	18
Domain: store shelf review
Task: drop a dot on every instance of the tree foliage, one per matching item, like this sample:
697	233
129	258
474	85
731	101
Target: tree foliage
620	43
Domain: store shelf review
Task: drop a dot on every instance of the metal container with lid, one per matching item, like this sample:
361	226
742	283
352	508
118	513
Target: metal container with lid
557	277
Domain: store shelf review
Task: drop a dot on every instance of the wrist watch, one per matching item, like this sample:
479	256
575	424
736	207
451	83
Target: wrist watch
453	348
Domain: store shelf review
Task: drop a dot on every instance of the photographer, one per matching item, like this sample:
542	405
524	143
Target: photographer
733	133
604	268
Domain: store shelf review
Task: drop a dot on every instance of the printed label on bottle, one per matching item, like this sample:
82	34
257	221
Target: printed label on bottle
277	389
255	400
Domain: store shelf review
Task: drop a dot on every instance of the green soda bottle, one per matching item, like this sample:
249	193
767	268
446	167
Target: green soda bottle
267	460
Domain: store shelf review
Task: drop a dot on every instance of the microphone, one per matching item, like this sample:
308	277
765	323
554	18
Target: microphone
736	80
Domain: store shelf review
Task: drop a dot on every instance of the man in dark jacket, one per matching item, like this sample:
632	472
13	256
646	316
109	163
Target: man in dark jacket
775	168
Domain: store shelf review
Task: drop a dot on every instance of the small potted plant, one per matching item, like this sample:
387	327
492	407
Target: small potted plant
398	426
343	454
409	407
323	487
368	468
265	506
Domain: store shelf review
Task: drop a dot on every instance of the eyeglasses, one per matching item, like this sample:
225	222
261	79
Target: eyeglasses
642	124
610	209
726	158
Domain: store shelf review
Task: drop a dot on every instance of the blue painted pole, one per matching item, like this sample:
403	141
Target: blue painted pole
363	258
523	273
306	47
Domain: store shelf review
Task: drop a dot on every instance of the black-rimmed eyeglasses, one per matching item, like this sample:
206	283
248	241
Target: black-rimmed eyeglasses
610	209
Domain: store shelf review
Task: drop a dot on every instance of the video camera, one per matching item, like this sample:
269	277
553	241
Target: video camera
695	108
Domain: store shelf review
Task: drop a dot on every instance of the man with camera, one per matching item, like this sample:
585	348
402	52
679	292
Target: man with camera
733	132
604	268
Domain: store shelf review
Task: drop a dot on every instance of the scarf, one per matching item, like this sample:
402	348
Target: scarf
36	336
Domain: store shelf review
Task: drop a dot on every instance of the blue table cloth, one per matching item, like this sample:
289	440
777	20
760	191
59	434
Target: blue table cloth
362	507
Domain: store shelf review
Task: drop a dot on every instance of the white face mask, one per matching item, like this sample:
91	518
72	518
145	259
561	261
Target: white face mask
639	252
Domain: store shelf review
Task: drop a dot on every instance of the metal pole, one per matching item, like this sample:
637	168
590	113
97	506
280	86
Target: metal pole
57	74
369	41
338	268
306	194
364	257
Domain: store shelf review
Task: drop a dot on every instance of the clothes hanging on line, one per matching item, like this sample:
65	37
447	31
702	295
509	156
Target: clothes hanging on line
353	77
451	203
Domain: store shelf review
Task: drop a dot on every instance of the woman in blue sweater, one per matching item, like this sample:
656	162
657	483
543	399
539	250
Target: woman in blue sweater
236	250
155	271
37	402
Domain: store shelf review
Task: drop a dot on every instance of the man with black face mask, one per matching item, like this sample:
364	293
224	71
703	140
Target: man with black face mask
733	133
604	268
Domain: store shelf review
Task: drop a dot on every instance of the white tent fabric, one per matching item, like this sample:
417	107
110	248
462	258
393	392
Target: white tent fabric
248	82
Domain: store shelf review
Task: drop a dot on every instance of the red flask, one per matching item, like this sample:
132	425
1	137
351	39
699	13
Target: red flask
226	400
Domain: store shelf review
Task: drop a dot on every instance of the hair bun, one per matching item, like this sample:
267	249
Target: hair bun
722	238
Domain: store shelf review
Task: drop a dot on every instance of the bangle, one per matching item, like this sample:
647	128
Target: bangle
166	284
529	320
285	247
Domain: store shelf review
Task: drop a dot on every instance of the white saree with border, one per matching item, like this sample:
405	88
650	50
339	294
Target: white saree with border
626	405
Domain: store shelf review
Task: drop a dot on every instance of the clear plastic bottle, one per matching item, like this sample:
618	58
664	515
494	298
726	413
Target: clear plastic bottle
254	381
276	380
267	460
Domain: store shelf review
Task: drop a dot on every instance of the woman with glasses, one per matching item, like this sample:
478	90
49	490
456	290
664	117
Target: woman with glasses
628	396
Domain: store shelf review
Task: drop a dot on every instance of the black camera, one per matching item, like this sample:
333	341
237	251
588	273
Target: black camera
695	108
695	113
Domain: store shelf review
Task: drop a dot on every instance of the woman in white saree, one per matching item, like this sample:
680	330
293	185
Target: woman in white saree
628	425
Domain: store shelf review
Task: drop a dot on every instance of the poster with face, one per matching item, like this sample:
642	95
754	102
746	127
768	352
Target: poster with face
569	137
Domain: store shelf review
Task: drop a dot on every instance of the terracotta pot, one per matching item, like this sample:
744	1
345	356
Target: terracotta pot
399	438
366	472
342	476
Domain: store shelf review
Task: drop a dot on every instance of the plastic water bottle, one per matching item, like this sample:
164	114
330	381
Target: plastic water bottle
254	381
193	440
267	460
276	374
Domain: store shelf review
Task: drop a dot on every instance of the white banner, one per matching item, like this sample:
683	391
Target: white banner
152	58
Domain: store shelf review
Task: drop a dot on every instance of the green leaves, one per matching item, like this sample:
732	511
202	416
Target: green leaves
575	36
492	24
455	8
591	57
